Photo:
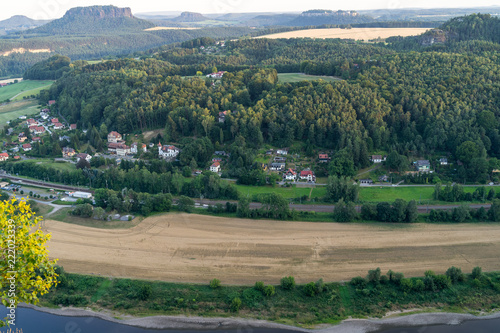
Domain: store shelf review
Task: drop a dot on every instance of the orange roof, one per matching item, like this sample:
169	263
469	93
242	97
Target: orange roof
216	164
54	120
4	155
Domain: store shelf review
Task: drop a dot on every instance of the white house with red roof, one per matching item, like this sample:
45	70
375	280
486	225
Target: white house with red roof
72	127
167	151
4	157
217	75
290	174
54	120
307	175
26	147
58	126
114	137
215	167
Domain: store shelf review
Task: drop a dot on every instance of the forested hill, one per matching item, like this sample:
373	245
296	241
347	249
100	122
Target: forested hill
93	20
475	27
320	17
414	101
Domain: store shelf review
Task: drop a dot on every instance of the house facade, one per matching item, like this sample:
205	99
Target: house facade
4	157
307	175
68	152
423	165
215	167
290	175
167	151
114	137
26	147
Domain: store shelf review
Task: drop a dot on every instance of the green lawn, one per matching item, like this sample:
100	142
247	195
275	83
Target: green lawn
56	165
14	110
29	93
286	192
27	87
297	77
385	193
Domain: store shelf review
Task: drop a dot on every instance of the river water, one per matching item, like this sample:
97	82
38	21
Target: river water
33	321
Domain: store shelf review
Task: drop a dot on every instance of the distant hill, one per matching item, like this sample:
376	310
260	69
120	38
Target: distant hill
190	17
93	20
20	22
322	16
269	20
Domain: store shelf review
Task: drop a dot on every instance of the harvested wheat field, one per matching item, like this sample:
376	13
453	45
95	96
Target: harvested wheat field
197	248
354	33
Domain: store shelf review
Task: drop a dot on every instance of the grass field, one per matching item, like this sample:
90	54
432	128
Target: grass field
56	165
354	33
385	193
286	192
14	110
23	88
297	77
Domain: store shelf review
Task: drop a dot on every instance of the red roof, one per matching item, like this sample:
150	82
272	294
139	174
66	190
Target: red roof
35	138
17	157
51	102
26	145
216	164
305	173
115	134
31	121
291	171
39	128
54	120
4	155
58	125
323	156
72	126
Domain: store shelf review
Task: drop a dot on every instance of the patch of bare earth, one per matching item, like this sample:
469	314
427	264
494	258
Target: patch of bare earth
196	248
354	33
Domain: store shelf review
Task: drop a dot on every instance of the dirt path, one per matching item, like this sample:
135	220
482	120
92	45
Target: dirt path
194	248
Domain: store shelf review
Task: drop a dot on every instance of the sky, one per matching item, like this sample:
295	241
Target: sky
50	9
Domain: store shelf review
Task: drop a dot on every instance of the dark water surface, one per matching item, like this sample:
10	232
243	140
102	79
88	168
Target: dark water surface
33	321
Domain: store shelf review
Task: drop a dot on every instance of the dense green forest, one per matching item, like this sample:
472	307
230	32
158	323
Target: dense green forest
409	102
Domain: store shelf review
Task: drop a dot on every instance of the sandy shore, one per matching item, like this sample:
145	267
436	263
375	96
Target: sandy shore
201	323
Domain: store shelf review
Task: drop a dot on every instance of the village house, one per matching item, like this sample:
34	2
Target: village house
133	148
86	157
324	158
144	148
280	159
283	151
443	161
72	127
222	116
167	151
26	147
68	152
35	139
52	102
377	158
58	126
215	167
277	166
39	130
65	137
4	157
217	75
119	148
21	137
32	122
114	137
220	153
422	165
307	175
54	121
22	117
290	175
365	182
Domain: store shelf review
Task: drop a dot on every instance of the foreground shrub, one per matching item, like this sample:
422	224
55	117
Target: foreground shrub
288	283
215	283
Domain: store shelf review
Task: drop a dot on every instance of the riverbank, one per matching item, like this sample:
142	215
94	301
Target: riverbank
201	323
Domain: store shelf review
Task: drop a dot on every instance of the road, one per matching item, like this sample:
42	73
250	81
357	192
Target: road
322	208
326	208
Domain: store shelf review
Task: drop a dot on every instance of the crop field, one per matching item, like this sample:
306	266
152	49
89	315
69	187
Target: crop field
297	77
354	33
197	248
14	110
23	88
